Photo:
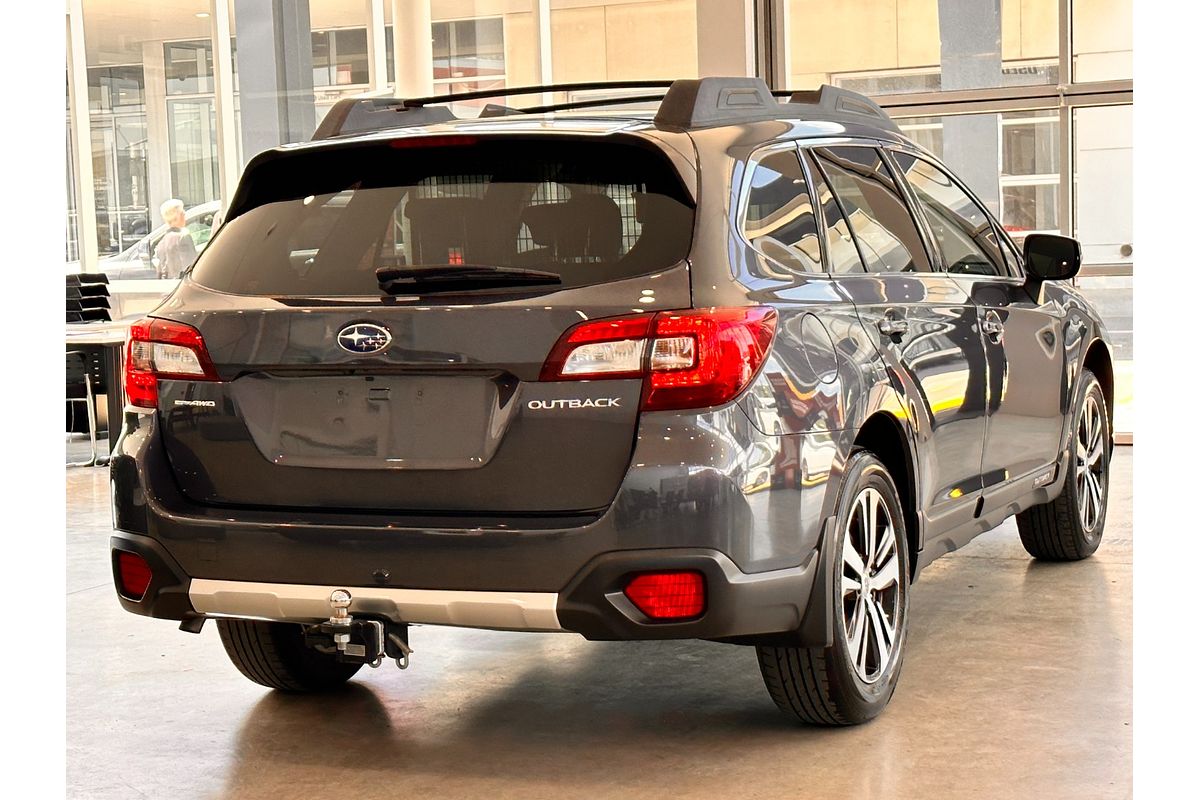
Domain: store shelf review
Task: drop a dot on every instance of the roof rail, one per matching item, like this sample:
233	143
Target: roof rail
835	103
712	102
362	114
685	105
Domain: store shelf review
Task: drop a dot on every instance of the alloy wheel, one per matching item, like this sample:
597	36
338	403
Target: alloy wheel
1091	465
870	586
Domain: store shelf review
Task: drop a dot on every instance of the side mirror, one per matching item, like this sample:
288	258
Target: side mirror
1049	257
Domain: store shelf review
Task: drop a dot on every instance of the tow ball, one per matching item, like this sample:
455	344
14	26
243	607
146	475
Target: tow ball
359	641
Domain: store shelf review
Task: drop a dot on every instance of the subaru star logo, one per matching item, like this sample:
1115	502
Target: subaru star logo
363	337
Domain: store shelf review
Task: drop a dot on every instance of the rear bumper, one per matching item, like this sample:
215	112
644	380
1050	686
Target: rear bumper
704	492
592	605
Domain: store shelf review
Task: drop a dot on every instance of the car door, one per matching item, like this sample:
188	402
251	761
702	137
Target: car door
1022	338
924	323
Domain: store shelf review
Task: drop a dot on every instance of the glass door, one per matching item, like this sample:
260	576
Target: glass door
193	149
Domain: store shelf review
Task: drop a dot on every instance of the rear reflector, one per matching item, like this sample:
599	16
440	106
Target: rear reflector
690	359
160	348
667	595
133	575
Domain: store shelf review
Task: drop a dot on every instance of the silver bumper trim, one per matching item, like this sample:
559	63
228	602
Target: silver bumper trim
520	611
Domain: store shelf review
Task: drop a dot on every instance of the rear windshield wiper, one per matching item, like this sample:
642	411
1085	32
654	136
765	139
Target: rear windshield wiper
459	277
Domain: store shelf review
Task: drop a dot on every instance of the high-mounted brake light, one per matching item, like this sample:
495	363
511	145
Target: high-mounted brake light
413	142
689	359
160	348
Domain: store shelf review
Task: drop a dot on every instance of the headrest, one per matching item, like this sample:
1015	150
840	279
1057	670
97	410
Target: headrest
428	209
443	224
586	226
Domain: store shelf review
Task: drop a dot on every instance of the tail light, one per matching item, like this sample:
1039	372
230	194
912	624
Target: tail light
690	359
160	348
133	575
668	595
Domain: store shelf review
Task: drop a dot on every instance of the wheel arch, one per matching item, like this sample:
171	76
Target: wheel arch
1098	360
884	435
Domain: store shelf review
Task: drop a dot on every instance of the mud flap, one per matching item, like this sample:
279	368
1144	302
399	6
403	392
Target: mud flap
816	626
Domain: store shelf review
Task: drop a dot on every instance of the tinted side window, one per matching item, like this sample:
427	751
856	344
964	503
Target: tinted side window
878	215
839	242
961	229
779	213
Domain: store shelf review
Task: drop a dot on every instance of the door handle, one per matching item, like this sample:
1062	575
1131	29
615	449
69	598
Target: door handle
992	327
893	326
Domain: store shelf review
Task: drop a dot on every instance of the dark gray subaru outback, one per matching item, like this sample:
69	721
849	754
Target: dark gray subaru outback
733	370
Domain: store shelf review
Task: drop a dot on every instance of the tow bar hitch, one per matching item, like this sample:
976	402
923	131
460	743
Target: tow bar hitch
359	641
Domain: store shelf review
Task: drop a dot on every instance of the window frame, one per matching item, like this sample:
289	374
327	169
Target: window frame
810	162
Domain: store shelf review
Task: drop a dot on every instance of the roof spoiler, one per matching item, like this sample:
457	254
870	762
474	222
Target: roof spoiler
712	102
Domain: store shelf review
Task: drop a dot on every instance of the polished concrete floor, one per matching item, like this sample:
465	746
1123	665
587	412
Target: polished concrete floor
1017	683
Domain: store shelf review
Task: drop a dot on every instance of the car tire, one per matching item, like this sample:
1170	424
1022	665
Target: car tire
1069	527
273	654
842	684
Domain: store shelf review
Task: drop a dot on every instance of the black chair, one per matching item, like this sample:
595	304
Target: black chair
87	298
79	376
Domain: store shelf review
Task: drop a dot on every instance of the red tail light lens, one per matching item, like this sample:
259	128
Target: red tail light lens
668	595
160	348
133	575
690	359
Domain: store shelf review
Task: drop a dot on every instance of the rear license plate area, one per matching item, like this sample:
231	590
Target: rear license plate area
373	422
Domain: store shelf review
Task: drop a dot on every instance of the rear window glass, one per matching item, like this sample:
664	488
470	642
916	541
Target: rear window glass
321	223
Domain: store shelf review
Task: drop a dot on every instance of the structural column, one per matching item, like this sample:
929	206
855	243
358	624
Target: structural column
412	38
970	39
158	131
81	138
275	76
376	46
228	165
545	52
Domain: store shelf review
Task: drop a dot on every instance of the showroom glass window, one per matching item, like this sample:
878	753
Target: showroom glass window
191	122
116	103
923	45
961	229
1010	160
778	218
879	218
339	57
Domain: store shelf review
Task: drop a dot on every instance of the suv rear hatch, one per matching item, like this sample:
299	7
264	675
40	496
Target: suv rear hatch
378	314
